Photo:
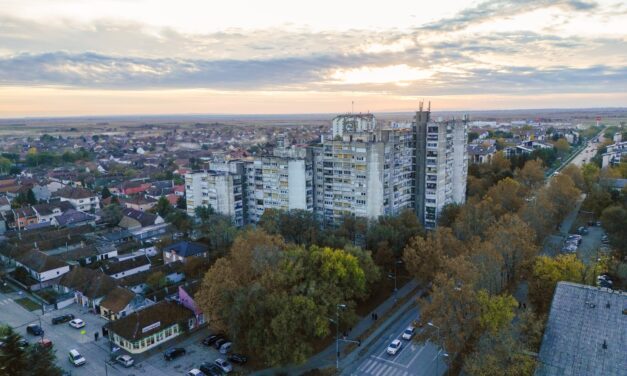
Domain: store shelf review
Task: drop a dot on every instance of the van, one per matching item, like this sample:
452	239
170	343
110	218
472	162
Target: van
76	358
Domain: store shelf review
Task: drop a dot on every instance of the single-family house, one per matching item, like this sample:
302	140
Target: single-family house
182	250
82	199
89	286
117	268
45	270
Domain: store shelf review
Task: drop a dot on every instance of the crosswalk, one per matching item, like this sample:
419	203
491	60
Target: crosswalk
375	367
6	301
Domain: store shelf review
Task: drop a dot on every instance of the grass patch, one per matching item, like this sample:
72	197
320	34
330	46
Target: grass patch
28	304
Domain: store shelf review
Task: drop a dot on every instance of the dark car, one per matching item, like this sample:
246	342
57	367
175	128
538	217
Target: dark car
173	352
210	340
210	369
220	342
35	330
62	319
238	358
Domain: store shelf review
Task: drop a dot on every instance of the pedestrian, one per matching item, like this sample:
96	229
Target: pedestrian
350	329
96	336
524	305
376	317
519	305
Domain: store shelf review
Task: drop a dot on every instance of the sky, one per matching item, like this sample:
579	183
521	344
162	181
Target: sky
117	57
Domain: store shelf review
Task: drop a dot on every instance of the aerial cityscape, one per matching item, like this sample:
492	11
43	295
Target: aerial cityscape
313	188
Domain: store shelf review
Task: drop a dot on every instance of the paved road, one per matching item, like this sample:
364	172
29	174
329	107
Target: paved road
414	358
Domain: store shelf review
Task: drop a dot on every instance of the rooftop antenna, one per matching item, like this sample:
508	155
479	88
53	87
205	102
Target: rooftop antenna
352	107
429	108
420	105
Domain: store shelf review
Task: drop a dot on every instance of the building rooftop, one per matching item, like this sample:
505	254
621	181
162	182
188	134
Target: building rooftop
186	249
586	333
149	320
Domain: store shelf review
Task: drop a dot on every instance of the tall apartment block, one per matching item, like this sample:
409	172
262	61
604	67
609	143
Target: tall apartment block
221	187
352	123
365	174
281	181
441	159
365	170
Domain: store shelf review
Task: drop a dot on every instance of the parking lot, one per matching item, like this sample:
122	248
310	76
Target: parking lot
97	353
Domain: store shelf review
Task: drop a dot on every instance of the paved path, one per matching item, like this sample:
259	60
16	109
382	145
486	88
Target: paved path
326	358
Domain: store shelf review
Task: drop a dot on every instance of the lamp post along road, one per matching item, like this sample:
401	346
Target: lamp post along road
442	350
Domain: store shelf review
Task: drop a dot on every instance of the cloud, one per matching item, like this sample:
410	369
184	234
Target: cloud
491	9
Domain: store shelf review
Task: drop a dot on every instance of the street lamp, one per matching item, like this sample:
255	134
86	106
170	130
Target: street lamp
440	352
395	276
337	334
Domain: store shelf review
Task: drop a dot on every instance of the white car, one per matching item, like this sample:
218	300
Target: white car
77	323
125	360
76	358
195	372
394	347
225	366
408	333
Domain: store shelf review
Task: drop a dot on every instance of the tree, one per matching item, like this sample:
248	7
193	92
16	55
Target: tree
540	214
106	193
5	165
452	305
590	173
196	267
156	280
547	272
112	214
563	194
163	207
474	219
562	147
181	203
277	298
532	174
424	257
448	214
496	311
506	197
575	173
514	240
614	220
13	355
389	235
499	354
204	213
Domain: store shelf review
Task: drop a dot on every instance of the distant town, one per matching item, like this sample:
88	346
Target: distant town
356	244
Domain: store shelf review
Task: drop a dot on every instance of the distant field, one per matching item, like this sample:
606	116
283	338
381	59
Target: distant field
121	124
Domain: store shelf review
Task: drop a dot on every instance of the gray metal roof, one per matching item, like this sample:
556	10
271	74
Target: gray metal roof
582	319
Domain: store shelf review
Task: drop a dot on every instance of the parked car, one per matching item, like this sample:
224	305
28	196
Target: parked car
394	347
217	344
62	319
238	358
195	372
173	352
226	347
45	343
35	330
225	366
582	230
210	340
125	360
21	343
210	369
76	358
77	323
408	333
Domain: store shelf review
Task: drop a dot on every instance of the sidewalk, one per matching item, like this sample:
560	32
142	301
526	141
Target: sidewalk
326	357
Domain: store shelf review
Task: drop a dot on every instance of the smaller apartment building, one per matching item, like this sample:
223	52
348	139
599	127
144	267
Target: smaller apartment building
279	182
